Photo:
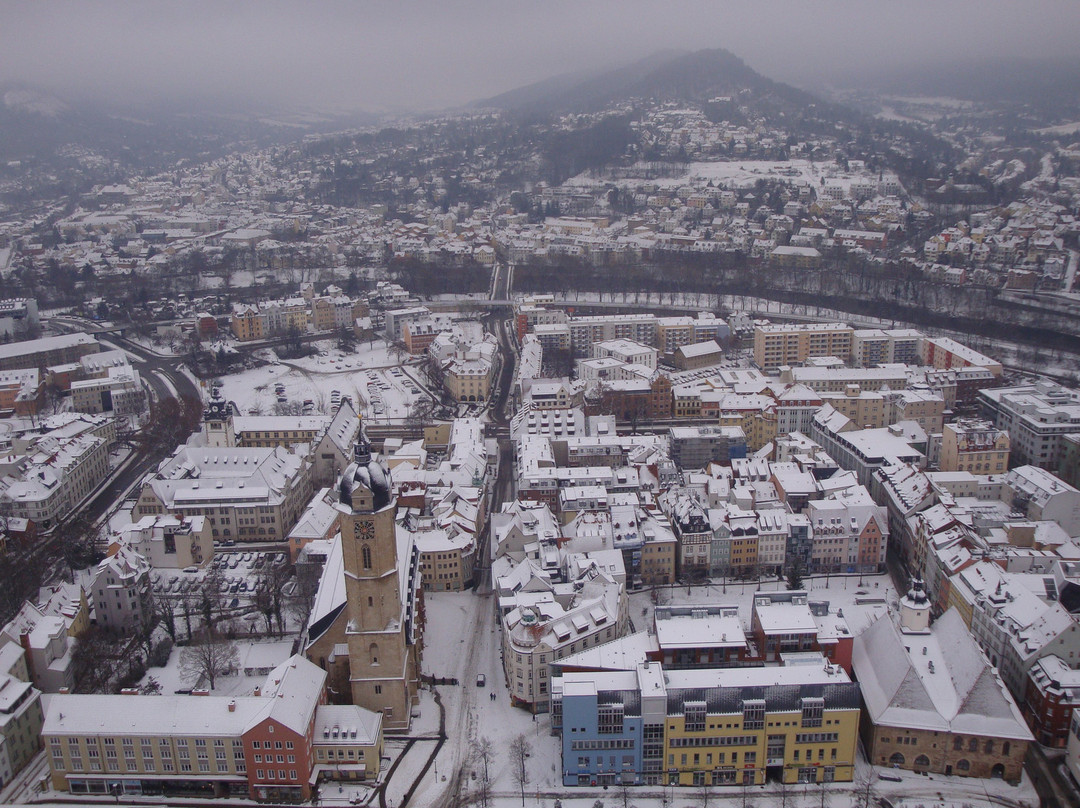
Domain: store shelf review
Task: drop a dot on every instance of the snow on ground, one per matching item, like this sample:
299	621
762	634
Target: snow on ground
744	173
462	639
1060	129
888	113
271	651
372	376
159	346
736	174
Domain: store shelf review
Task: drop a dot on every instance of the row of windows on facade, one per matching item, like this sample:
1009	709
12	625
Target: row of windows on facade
959	744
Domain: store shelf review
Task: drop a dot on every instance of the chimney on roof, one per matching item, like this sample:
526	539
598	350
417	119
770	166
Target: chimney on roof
232	705
258	691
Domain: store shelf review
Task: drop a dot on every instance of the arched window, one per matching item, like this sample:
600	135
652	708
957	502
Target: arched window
367	557
973	745
922	762
370	601
1005	747
897	759
989	747
958	744
998	772
373	653
963	765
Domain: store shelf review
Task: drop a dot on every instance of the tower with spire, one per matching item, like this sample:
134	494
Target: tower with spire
381	586
218	425
915	609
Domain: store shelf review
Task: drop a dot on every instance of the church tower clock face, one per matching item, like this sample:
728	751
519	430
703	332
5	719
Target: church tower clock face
365	531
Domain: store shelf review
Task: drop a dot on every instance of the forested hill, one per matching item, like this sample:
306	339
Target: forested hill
698	76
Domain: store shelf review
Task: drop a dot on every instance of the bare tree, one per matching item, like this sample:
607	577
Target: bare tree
210	600
302	596
77	538
824	791
163	611
398	351
421	414
93	660
270	594
433	369
169	423
624	796
485	754
288	408
209	657
520	749
704	793
22	572
187	601
865	789
151	688
264	602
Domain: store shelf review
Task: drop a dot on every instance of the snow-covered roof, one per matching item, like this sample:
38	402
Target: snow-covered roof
622	654
949	688
288	697
705	626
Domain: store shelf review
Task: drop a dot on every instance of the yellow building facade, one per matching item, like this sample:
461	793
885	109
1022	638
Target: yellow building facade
799	724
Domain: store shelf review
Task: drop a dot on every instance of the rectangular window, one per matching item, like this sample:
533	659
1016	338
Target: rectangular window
610	719
812	711
754	714
694	716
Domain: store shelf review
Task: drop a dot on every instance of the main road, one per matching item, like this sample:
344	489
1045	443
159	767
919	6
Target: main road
163	374
164	378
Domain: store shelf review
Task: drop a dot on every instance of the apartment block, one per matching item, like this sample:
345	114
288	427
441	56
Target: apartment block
793	344
944	353
1037	418
974	445
171	543
876	346
585	331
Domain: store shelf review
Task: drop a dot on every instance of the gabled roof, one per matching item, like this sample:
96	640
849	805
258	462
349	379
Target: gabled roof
949	687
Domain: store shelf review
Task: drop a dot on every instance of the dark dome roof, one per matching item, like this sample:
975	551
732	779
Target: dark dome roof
367	473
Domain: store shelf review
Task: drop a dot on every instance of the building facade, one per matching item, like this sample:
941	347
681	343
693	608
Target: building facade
733	726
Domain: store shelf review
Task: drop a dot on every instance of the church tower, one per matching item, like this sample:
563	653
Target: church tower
218	425
381	579
915	609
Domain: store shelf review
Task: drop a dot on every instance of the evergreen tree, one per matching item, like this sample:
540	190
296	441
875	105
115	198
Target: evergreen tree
795	575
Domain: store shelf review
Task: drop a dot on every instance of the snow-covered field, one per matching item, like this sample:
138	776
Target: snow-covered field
378	383
1060	129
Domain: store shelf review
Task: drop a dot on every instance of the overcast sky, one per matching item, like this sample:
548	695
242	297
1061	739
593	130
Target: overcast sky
431	54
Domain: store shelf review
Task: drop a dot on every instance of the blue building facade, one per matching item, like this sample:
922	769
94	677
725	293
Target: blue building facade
607	736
